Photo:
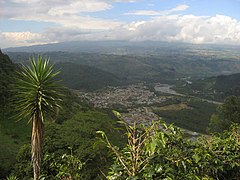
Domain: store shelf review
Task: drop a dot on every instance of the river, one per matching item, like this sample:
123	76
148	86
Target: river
166	88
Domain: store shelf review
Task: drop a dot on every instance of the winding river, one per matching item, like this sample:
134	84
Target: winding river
166	88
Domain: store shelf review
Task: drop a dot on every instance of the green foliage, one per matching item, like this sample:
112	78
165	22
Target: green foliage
71	104
36	93
166	154
217	88
12	136
217	124
230	109
79	134
12	177
133	158
6	78
195	117
58	137
221	154
66	166
36	88
227	113
23	166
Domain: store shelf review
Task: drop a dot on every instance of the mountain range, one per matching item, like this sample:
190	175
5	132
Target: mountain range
92	65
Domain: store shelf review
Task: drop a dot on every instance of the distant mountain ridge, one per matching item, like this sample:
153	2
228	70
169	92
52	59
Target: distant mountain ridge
135	47
167	66
73	75
131	62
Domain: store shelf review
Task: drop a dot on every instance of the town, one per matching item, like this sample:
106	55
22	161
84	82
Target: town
134	100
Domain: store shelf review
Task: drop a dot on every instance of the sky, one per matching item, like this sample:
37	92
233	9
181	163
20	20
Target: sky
31	22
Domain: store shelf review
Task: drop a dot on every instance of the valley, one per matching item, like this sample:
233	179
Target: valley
144	79
142	103
179	84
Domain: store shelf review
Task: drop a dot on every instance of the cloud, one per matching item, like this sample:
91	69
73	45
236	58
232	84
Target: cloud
21	36
182	7
218	29
174	28
190	28
80	6
131	1
64	12
22	39
53	6
73	22
144	13
60	34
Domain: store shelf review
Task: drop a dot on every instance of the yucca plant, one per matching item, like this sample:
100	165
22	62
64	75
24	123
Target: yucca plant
37	93
12	177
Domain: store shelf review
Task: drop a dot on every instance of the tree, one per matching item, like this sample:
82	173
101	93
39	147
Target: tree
227	113
37	93
230	109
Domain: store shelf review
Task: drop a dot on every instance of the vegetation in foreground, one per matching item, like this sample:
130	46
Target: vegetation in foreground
161	152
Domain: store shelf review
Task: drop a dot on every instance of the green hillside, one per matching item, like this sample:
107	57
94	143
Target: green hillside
12	134
6	70
218	87
166	66
76	76
74	126
229	85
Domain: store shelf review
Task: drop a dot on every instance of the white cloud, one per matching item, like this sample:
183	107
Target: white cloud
80	6
21	39
63	12
20	36
175	28
131	1
134	25
182	7
144	13
72	23
190	28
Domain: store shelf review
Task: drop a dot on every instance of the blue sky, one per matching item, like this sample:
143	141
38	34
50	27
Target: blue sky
29	22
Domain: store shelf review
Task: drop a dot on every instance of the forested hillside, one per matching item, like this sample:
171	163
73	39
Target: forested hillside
6	72
83	77
70	132
145	61
218	87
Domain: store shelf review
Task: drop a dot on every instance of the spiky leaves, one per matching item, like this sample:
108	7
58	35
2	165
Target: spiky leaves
36	94
36	88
